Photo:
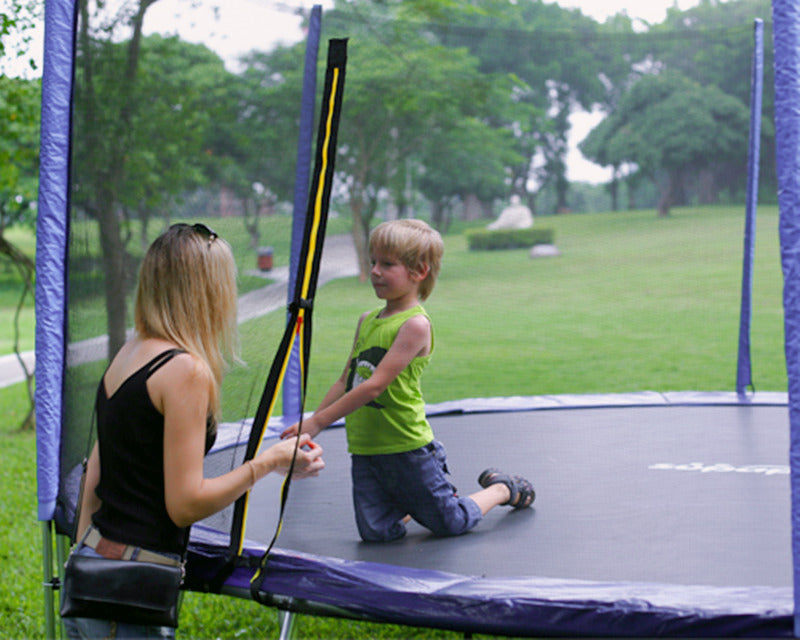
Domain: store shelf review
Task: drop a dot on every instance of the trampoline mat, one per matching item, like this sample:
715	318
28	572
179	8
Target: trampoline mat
690	495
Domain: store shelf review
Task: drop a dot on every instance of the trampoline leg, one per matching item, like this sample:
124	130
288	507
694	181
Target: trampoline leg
49	583
63	546
286	620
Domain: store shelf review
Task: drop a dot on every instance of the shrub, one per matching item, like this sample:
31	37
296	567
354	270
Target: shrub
486	240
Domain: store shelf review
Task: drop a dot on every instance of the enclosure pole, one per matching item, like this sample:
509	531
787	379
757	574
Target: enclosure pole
786	34
51	246
292	379
51	251
743	366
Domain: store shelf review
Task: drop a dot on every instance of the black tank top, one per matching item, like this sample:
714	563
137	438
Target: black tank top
130	433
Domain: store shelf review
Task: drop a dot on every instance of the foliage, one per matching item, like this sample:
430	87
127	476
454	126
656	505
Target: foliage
19	150
564	64
19	157
712	43
644	132
432	101
486	239
255	134
17	21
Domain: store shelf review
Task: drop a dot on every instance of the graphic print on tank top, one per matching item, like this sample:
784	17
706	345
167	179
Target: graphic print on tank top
362	367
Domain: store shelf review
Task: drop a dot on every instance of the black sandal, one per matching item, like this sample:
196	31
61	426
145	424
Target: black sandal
522	493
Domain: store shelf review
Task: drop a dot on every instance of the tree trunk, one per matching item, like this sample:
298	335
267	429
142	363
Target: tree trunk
667	193
109	182
360	237
707	186
26	269
473	208
115	280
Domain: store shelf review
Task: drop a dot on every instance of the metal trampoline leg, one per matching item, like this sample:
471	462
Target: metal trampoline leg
48	584
286	619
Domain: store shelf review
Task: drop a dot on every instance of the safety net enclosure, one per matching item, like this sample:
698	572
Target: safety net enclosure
126	150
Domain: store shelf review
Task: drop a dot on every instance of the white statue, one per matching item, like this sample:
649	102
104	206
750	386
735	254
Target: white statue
515	216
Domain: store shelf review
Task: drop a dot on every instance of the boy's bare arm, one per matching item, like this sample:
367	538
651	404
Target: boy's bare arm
413	339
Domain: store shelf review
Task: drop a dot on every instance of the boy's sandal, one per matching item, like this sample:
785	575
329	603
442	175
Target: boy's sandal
522	493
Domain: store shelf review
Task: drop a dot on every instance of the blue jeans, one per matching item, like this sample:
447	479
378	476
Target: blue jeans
388	487
91	629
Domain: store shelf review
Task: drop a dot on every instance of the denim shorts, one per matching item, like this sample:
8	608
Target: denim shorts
92	629
388	487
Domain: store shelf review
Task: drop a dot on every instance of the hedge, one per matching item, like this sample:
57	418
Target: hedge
485	240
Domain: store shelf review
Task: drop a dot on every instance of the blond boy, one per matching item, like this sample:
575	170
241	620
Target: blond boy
398	468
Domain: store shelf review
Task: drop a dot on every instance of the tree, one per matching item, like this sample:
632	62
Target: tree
105	89
400	95
475	155
712	43
254	144
143	108
19	157
180	88
17	22
672	129
556	53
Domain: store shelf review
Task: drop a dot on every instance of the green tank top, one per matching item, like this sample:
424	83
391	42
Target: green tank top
395	421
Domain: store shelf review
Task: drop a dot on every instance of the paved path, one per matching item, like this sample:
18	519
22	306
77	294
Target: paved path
338	261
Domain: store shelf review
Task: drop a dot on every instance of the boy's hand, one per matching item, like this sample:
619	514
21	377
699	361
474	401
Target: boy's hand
290	432
310	427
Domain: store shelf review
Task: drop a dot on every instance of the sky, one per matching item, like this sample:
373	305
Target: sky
260	23
238	26
241	25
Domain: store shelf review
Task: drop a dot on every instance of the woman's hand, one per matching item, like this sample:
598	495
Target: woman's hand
278	457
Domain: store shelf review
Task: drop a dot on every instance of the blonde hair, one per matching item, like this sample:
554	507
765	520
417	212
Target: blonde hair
415	244
187	295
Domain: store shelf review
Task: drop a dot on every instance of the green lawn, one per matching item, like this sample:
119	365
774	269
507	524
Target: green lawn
633	303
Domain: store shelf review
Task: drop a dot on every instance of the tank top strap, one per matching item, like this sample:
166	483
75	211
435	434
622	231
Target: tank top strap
160	360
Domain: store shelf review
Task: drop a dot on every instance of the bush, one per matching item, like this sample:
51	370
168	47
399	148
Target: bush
486	240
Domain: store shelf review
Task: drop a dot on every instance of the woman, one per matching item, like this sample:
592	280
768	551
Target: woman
157	409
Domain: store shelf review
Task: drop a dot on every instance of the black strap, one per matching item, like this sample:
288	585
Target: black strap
161	359
300	309
315	219
84	465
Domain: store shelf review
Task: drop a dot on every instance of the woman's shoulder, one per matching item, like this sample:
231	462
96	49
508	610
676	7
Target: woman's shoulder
158	355
178	363
180	375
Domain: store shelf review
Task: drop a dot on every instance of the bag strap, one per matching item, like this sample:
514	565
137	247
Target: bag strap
82	488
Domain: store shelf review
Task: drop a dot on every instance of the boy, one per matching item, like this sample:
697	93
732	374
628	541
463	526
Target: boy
398	468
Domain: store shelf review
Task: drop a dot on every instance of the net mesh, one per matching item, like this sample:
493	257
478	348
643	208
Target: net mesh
164	131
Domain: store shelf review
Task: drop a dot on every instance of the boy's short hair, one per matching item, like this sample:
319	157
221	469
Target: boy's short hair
414	243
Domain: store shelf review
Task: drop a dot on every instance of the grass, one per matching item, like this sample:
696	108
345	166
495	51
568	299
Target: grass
634	302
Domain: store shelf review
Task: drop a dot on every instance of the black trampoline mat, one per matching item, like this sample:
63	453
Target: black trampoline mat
668	494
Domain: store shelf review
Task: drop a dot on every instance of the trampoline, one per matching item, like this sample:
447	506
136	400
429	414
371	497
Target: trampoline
656	514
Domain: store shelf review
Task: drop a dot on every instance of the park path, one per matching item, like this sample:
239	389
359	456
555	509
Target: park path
339	260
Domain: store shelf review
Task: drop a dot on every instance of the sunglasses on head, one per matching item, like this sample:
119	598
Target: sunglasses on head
201	229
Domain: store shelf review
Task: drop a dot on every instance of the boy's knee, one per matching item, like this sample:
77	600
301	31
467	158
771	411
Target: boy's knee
370	533
462	516
450	528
